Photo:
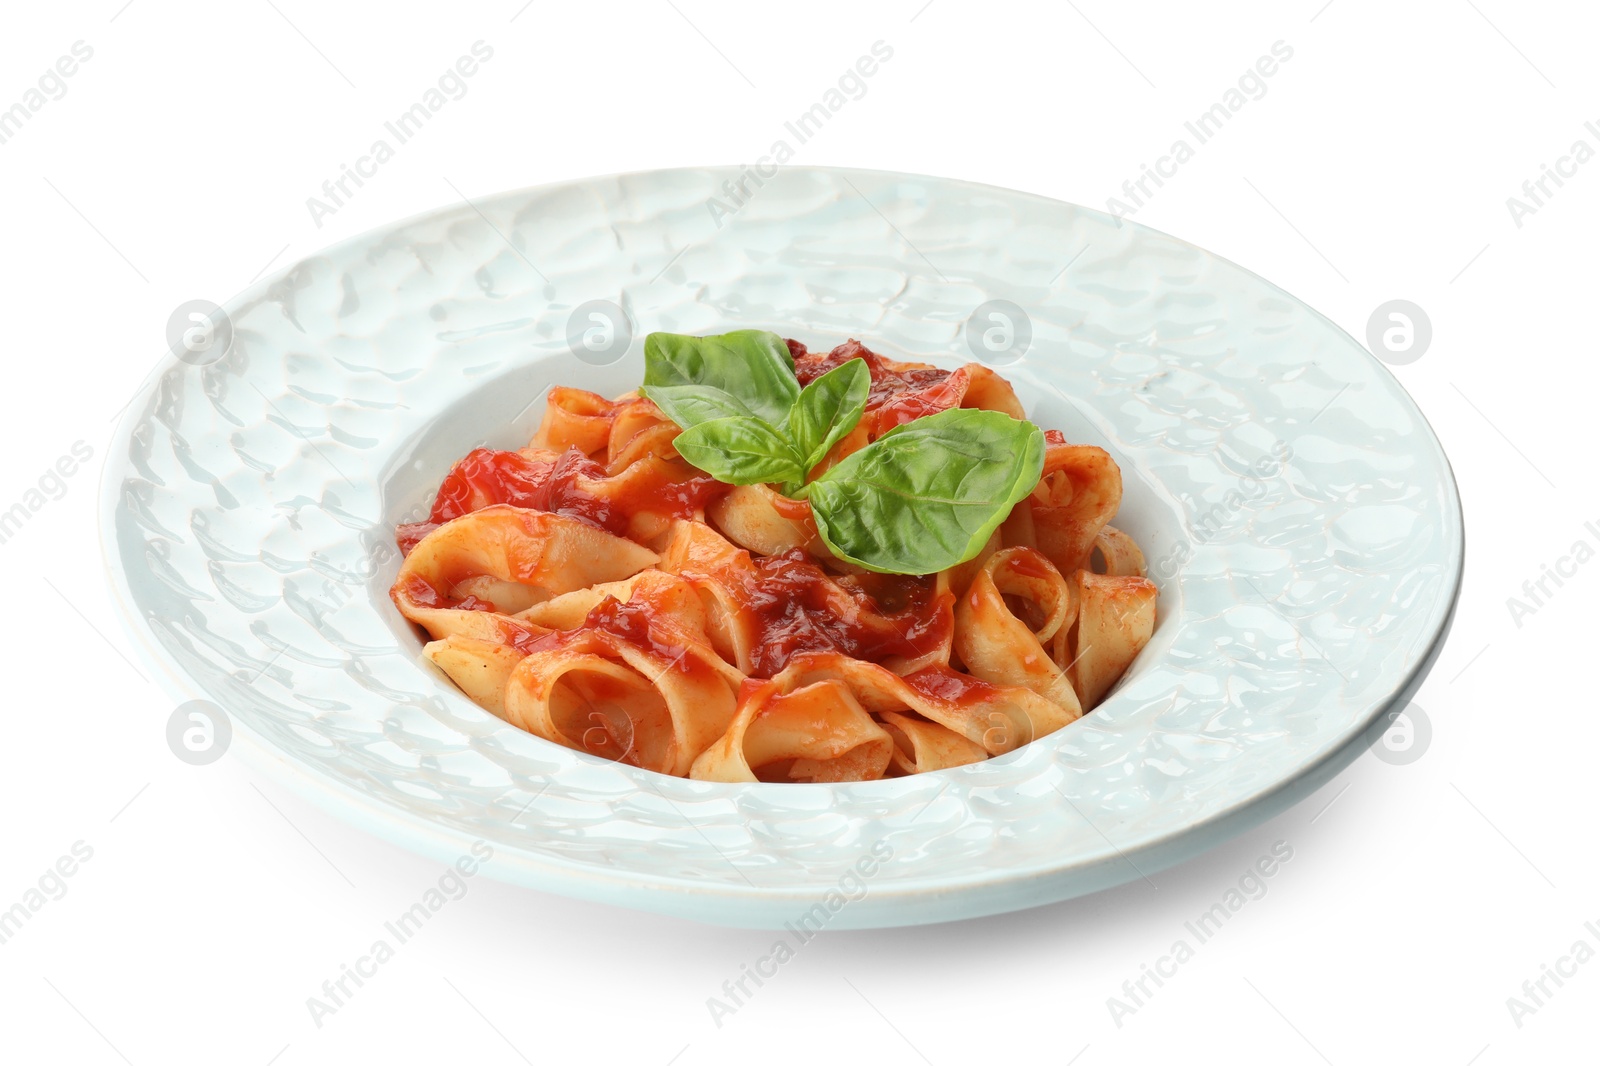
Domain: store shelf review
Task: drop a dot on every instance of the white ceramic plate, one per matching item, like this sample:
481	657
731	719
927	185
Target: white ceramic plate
1298	513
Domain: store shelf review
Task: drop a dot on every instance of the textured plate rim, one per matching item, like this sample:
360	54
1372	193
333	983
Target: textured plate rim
557	873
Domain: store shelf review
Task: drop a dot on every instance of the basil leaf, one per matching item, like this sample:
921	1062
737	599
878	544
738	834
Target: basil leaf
926	495
689	405
752	366
740	451
828	408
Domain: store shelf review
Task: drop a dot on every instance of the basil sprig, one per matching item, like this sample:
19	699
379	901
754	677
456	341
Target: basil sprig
927	494
696	379
923	497
827	409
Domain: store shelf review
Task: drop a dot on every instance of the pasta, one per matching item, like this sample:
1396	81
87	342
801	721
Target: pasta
714	583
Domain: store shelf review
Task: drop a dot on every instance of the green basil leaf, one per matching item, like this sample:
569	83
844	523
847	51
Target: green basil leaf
740	451
828	408
752	366
689	405
926	495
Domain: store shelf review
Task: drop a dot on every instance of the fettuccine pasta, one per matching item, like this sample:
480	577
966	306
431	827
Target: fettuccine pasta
600	591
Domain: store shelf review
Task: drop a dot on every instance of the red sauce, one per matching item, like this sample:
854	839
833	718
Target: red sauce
632	623
912	404
566	485
1054	436
949	686
409	534
795	609
518	637
898	394
488	477
663	492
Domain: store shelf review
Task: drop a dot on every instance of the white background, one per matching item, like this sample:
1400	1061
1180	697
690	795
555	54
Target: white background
1377	166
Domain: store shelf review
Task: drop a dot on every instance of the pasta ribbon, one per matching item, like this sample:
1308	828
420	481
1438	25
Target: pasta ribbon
921	746
640	431
1117	554
1078	493
577	419
480	668
597	691
997	645
988	391
784	732
1116	617
766	522
998	718
527	556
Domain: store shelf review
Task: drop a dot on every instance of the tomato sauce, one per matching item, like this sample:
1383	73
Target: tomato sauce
633	622
887	382
409	534
571	485
949	686
796	608
898	394
488	477
665	493
518	636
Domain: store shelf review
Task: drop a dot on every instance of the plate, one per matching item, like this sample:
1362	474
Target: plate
1297	511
